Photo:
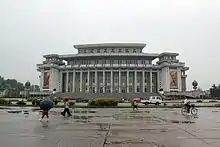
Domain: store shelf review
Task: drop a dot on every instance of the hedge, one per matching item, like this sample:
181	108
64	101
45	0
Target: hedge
104	102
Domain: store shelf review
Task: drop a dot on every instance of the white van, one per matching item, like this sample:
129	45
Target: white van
152	100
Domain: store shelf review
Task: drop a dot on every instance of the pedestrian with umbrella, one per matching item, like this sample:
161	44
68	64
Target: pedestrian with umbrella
66	109
45	106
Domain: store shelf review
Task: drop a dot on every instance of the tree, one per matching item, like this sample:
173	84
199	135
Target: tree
215	91
13	88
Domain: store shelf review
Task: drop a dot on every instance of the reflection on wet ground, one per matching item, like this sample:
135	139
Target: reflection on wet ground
106	127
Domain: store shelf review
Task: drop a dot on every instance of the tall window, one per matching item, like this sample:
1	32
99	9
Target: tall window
115	61
146	61
101	90
99	61
138	89
92	61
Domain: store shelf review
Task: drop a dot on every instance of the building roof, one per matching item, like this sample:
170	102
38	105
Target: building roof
150	55
51	56
168	54
110	45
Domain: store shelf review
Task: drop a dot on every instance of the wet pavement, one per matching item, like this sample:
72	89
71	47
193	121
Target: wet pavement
110	127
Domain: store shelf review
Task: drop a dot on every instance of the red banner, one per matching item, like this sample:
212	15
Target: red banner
46	80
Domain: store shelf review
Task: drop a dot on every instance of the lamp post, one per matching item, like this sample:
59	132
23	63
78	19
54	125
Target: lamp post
195	86
27	89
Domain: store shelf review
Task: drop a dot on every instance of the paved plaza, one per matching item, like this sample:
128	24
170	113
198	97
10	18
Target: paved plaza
111	127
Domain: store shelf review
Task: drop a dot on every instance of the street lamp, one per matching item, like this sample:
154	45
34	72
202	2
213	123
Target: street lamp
195	86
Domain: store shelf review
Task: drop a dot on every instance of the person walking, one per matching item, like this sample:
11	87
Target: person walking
135	106
187	104
66	109
44	112
45	106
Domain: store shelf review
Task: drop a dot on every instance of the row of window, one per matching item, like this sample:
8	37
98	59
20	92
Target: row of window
116	90
167	58
77	62
110	50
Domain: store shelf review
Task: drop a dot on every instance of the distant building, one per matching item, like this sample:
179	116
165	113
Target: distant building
112	68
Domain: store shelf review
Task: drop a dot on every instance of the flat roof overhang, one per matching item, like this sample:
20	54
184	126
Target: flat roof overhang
151	56
110	45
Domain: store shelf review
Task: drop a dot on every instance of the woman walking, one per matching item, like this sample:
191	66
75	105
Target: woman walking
66	109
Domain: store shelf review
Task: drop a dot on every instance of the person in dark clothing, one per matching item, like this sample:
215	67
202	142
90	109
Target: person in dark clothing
187	105
66	109
135	106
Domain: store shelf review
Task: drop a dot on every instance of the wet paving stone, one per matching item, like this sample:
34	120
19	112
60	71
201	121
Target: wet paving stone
109	128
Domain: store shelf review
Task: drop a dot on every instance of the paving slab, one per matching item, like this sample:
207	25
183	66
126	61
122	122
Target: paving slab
108	127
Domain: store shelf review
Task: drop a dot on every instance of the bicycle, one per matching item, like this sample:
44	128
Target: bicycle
193	110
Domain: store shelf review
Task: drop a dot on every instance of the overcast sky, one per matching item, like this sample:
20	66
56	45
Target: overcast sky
31	28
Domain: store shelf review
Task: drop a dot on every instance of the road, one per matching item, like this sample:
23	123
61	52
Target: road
111	128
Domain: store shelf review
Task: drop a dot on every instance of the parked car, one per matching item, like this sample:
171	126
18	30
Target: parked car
152	100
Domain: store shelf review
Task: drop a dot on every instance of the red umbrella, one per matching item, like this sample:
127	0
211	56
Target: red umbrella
136	99
67	97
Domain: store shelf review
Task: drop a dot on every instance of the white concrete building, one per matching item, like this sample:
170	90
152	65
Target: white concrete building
112	68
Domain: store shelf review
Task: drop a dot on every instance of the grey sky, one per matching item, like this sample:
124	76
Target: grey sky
31	28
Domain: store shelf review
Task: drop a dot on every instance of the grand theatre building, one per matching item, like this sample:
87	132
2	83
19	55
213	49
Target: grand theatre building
112	68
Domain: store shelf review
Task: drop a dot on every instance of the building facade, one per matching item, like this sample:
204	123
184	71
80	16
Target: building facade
112	68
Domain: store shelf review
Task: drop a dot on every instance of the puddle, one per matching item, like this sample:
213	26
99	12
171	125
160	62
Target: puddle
215	111
81	117
84	111
183	122
133	142
5	108
14	111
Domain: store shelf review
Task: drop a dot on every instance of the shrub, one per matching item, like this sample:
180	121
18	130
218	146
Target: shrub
72	103
36	102
55	100
102	102
21	103
4	102
31	99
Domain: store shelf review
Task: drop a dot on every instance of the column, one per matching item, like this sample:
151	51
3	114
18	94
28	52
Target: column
143	79
96	82
127	81
158	81
88	82
74	77
61	82
41	79
111	81
151	80
80	81
135	81
103	83
67	81
119	83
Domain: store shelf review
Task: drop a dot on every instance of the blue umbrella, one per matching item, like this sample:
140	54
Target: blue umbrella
46	104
